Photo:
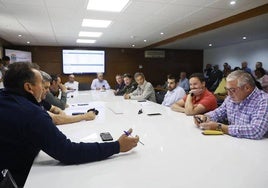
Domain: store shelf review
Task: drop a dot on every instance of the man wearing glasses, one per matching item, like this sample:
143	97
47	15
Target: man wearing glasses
245	108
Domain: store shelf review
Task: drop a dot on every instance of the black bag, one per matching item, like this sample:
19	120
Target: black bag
6	180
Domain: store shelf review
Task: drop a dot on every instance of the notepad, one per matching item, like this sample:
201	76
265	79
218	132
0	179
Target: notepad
212	132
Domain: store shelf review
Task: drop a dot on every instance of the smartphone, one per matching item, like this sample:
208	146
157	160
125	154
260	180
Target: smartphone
142	100
106	136
154	114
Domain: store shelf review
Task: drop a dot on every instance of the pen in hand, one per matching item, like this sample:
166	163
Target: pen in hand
128	134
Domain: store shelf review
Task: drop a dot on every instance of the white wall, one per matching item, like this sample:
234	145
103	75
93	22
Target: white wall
234	54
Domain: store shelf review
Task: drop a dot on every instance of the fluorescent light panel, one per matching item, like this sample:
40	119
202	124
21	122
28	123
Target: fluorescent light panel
85	41
96	23
107	5
89	34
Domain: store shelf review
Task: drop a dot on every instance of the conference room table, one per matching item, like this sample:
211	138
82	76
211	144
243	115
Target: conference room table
175	152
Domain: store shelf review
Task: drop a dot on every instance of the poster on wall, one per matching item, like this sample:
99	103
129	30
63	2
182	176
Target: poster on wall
18	55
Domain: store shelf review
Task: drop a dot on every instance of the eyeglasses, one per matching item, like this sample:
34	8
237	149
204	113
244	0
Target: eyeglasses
232	90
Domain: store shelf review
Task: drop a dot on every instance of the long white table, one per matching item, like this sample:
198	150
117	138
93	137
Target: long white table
175	153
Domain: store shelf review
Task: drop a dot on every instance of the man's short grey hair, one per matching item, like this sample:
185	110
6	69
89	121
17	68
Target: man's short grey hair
138	74
242	78
46	77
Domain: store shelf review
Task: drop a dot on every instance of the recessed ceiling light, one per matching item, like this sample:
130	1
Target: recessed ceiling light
28	42
210	45
107	5
19	35
244	38
133	45
89	34
161	33
96	23
85	41
144	40
232	3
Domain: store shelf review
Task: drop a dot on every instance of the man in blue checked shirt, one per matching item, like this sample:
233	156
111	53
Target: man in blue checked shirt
245	108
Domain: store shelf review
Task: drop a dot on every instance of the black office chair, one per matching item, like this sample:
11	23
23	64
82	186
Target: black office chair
160	95
83	86
6	180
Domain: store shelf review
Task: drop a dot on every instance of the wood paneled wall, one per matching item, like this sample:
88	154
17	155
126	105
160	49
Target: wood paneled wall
122	61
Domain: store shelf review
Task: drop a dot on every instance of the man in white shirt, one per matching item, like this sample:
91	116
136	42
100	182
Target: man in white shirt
174	93
99	83
144	91
72	84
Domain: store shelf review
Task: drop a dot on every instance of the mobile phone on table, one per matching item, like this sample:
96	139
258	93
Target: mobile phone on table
106	136
154	114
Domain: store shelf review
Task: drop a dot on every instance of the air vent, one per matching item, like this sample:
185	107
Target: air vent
154	54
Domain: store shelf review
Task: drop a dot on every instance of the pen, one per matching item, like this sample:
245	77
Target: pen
128	134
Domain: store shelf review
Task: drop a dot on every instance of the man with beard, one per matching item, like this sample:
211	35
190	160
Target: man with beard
174	93
199	100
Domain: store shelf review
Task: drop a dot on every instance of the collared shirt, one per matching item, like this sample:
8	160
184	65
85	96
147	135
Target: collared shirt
172	96
207	99
97	84
144	91
247	119
72	85
184	84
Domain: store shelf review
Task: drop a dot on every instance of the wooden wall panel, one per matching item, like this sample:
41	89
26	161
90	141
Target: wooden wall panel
122	61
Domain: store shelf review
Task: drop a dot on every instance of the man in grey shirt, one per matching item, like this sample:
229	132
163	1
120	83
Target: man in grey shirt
52	96
144	91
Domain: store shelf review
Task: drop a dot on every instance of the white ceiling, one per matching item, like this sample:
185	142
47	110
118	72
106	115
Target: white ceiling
58	22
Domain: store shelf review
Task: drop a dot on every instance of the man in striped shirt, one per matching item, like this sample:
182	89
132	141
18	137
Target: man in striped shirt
245	109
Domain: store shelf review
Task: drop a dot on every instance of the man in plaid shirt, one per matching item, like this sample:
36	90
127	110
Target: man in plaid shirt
245	109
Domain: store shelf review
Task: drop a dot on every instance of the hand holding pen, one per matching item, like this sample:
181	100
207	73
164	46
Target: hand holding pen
129	134
127	142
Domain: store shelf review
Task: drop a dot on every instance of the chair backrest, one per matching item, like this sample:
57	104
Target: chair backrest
6	180
83	86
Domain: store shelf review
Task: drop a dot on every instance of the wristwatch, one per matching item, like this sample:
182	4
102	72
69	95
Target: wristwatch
219	127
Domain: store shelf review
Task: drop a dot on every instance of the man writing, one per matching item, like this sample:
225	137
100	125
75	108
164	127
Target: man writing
33	130
245	108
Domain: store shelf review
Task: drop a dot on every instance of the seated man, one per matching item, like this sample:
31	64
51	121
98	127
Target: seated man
184	82
199	100
57	115
174	93
220	92
144	91
99	83
33	130
130	85
55	88
245	108
71	84
119	83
